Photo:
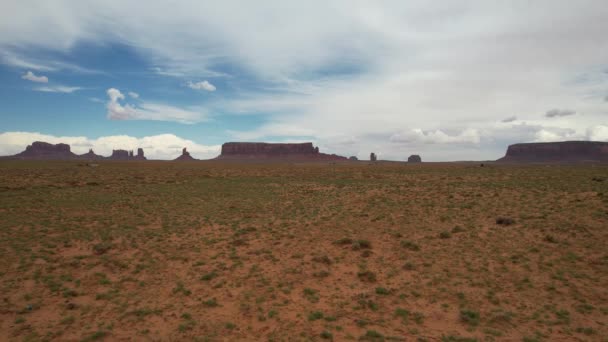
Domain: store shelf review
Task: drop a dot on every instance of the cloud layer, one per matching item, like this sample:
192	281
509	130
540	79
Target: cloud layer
203	85
57	89
148	111
393	76
162	146
30	76
559	112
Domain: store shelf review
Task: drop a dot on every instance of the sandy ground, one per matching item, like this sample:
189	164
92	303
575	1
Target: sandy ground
201	251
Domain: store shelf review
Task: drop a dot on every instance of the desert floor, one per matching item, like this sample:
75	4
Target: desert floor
281	252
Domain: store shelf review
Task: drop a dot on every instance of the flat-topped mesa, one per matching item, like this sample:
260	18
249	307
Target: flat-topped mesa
254	150
127	155
564	151
44	150
119	155
185	156
250	148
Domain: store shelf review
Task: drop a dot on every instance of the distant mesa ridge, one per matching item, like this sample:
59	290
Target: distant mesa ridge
40	150
44	150
257	150
551	152
564	151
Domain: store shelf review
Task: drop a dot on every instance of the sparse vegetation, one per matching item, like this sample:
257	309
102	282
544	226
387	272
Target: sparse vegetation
258	251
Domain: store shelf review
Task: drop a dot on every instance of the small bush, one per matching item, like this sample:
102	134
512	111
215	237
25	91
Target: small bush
315	315
505	221
322	259
362	244
457	229
367	276
102	248
550	239
469	317
445	235
343	241
209	276
410	245
326	335
382	291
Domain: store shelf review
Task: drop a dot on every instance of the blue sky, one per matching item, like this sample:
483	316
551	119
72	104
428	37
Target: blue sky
450	81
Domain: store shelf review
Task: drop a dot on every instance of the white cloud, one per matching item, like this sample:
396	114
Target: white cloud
30	76
149	111
10	58
598	133
58	89
559	112
558	134
134	95
468	136
203	85
162	146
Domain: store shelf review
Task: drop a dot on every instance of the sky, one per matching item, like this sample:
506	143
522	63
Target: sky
449	80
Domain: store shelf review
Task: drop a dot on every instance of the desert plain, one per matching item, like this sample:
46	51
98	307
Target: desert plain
229	251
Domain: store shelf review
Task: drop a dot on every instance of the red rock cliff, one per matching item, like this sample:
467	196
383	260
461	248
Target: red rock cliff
564	151
44	150
252	150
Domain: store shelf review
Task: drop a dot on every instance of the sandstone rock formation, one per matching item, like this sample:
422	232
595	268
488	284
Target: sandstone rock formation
414	158
127	155
120	155
140	154
44	150
252	150
185	156
565	151
90	155
372	157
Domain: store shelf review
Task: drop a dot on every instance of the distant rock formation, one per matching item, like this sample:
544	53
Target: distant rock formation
40	150
127	155
44	150
185	156
372	157
120	155
140	154
353	158
252	150
90	155
565	151
414	158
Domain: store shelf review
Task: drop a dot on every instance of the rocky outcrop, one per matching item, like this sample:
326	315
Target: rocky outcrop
565	151
353	158
127	155
414	158
120	155
140	154
372	157
44	150
185	156
39	150
253	150
90	155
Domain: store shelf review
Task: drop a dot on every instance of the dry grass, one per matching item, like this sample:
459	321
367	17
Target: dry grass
208	251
